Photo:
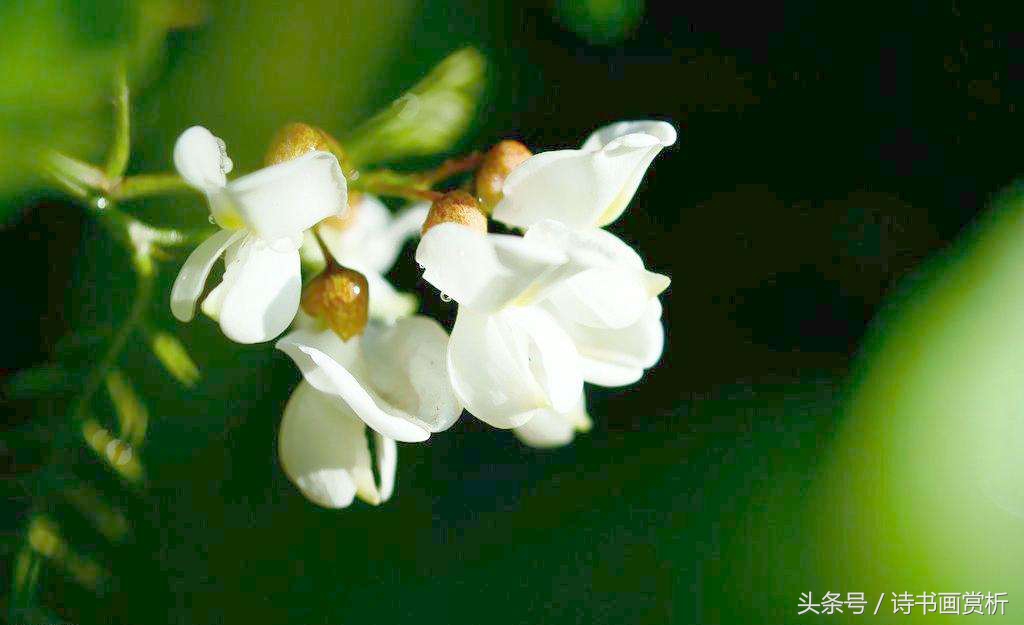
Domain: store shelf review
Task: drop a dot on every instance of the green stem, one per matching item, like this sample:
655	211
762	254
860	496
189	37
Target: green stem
117	160
146	185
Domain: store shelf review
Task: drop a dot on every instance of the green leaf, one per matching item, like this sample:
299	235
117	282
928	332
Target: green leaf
427	119
174	357
600	21
50	380
57	77
132	414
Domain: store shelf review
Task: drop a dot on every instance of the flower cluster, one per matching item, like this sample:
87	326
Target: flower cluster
539	313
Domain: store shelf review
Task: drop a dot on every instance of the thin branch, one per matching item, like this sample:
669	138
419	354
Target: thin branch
146	185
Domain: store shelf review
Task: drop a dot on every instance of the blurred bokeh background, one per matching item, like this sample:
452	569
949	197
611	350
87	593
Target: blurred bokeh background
840	406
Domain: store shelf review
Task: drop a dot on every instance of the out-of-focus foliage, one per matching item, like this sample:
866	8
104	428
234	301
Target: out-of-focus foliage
600	21
925	482
427	119
57	63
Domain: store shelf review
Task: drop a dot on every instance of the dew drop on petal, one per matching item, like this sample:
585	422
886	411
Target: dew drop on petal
211	219
445	297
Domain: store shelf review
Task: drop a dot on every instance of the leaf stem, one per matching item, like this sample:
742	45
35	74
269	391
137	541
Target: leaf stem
117	160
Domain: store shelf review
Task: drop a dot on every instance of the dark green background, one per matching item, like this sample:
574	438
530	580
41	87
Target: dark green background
825	152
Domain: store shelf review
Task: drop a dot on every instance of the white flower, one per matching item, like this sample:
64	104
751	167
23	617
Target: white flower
324	451
548	428
584	188
263	216
369	242
392	376
525	303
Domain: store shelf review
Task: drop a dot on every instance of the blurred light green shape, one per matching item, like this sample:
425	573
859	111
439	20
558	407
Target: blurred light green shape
600	21
132	414
922	490
174	357
428	118
108	520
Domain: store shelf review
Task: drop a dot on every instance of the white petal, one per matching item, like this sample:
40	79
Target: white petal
405	365
323	450
283	200
188	286
606	285
581	188
373	240
485	272
329	376
663	131
618	357
548	428
201	158
386	303
506	366
387	463
260	293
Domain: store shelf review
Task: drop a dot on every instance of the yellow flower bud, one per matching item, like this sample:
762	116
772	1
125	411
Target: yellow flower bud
340	297
456	207
294	140
499	161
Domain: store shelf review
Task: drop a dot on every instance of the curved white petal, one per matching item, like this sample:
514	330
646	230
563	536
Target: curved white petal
548	428
283	200
506	366
201	158
387	463
617	357
260	293
323	450
329	376
373	239
606	285
663	131
485	272
582	188
188	286
405	366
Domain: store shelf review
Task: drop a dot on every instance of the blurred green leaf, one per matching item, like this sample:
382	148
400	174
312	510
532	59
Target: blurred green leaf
173	355
427	119
105	518
57	62
600	21
132	414
930	451
48	380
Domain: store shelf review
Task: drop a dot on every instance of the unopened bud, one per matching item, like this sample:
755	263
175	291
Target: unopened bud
457	207
498	163
340	297
294	140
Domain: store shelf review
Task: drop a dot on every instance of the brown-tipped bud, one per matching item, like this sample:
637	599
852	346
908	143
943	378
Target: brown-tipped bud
498	163
294	140
341	298
457	207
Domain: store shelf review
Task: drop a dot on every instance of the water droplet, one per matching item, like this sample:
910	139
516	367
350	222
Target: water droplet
101	203
211	219
445	297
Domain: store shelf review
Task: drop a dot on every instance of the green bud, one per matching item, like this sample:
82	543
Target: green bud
174	357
